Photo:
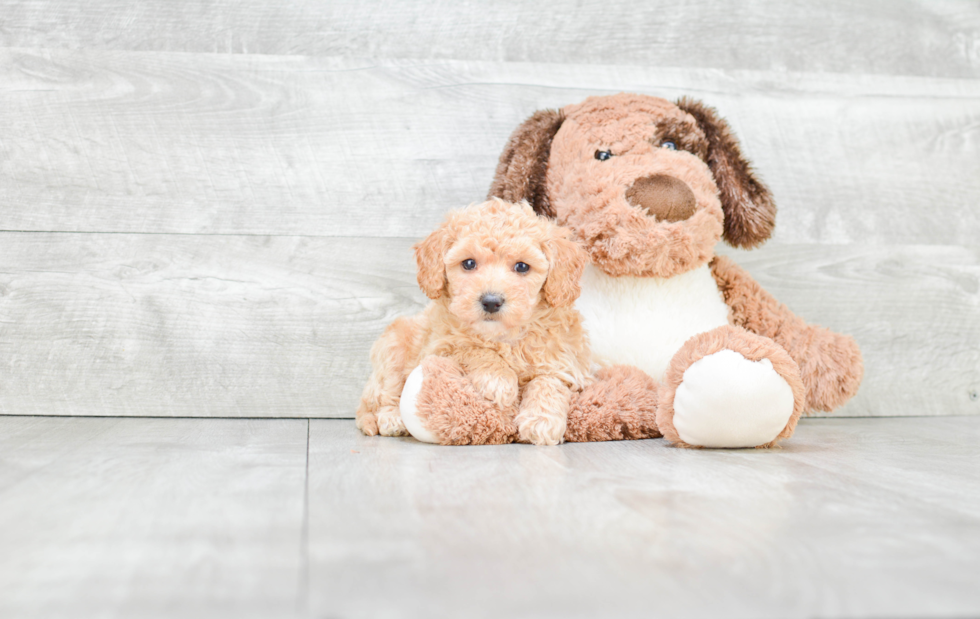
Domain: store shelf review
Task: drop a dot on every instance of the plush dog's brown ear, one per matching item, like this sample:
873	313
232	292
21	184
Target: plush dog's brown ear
429	254
750	213
524	163
567	260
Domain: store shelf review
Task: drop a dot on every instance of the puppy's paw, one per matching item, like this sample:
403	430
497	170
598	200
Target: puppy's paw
499	388
390	422
540	429
367	424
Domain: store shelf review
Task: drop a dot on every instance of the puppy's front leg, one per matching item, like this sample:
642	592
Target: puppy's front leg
544	411
390	359
497	384
390	422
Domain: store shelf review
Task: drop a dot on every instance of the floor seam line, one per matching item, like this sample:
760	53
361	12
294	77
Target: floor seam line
304	584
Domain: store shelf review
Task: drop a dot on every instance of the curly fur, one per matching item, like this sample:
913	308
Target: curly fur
534	347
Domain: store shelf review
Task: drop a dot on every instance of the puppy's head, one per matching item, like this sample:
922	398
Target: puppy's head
647	186
495	263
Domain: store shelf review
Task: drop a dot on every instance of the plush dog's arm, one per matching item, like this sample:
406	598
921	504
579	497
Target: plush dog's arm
830	363
543	412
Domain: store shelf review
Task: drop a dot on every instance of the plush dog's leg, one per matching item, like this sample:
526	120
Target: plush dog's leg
730	388
620	405
543	411
830	363
441	405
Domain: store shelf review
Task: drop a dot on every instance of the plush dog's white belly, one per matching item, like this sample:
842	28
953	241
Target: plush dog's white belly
643	321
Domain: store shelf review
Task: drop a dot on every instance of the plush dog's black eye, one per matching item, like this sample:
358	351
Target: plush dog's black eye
602	155
469	264
668	145
522	267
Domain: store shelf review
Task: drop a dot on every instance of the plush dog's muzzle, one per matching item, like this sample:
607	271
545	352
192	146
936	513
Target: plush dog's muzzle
663	197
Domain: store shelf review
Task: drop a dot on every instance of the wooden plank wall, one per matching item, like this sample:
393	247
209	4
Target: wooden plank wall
208	210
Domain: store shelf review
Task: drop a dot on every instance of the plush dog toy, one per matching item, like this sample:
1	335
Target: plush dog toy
649	187
500	350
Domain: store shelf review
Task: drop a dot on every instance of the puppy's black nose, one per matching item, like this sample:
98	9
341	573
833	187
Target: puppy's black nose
491	302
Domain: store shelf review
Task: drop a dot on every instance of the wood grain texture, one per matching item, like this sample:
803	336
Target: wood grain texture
204	518
165	325
151	517
850	518
238	223
881	36
187	143
914	310
192	325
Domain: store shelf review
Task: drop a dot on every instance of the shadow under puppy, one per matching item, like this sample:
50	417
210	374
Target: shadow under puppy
500	354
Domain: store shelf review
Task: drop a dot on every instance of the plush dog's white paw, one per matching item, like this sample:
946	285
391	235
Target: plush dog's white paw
390	422
725	400
409	410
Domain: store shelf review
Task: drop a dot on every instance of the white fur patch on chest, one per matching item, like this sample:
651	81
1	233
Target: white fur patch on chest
643	321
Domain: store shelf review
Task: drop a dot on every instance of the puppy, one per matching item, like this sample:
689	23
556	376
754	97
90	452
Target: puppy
502	282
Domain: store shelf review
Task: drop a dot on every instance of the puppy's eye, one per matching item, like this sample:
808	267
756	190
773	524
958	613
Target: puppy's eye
522	267
668	145
469	264
602	155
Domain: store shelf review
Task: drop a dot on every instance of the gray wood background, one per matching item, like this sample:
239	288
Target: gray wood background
206	209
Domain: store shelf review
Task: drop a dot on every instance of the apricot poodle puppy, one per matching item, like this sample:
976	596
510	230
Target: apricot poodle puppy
502	282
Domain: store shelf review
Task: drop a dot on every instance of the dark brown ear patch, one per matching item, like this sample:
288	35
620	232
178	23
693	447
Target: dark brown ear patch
684	135
523	165
750	213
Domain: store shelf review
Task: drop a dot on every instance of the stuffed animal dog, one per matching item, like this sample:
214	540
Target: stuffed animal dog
500	349
649	187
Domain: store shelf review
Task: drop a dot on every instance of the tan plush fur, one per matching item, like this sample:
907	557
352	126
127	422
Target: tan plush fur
750	346
450	407
589	195
526	358
620	171
620	405
830	363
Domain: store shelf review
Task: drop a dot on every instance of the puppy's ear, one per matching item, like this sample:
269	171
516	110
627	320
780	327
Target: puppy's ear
567	260
429	254
750	212
523	165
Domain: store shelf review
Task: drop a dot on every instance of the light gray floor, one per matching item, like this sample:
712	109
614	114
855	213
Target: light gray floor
307	518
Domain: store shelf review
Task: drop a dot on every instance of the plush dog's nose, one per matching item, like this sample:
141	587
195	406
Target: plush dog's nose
491	303
663	196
